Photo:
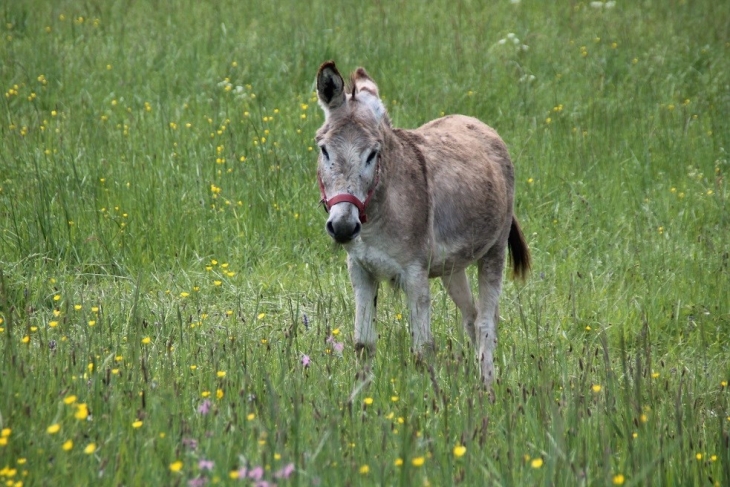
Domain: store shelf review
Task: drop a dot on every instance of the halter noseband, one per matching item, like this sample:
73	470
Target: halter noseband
349	198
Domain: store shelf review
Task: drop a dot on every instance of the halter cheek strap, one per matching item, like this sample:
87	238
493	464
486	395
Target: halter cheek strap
349	198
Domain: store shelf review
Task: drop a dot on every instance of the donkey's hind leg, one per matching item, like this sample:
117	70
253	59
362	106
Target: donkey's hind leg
457	285
490	287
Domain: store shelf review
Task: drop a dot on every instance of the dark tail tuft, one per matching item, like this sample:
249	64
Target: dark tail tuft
519	252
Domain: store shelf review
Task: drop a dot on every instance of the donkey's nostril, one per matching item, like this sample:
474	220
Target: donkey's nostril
342	230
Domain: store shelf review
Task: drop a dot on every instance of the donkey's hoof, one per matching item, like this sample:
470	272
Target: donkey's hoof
365	350
489	392
488	387
425	354
364	374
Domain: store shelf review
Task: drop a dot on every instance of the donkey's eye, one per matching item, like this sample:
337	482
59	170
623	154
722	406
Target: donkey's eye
324	152
371	157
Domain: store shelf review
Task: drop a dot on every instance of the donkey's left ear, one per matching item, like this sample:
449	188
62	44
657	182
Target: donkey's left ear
330	87
363	82
365	90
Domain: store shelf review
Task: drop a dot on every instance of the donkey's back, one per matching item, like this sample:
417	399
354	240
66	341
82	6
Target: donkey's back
471	186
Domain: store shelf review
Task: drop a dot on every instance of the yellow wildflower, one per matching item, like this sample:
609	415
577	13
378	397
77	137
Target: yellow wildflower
459	450
82	412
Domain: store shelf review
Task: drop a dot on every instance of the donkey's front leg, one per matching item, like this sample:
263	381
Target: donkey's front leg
419	304
365	287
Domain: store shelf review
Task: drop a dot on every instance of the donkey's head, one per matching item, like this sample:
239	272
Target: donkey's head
350	142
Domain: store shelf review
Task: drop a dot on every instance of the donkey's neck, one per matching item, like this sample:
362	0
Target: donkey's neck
403	176
407	156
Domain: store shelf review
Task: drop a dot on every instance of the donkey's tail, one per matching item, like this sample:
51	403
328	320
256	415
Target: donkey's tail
519	252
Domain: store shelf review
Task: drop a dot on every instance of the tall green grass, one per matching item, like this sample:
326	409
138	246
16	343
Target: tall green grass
165	276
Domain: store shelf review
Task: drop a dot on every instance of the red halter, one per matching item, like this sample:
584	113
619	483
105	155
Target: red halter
349	198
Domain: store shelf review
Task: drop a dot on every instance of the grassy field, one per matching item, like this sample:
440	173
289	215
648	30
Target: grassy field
172	311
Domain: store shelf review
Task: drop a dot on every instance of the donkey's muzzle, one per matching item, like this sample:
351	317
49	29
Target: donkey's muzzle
343	230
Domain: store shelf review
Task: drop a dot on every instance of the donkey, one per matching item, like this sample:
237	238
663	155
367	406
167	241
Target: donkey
409	205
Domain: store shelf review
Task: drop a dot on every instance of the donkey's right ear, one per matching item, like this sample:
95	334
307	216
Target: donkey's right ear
330	87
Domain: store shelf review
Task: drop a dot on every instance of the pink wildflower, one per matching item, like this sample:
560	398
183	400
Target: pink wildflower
285	472
256	473
190	443
204	407
205	464
338	347
305	360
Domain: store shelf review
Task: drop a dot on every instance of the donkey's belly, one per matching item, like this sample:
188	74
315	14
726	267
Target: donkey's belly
447	259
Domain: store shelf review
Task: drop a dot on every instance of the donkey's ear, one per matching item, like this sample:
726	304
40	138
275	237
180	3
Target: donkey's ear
366	91
363	82
330	87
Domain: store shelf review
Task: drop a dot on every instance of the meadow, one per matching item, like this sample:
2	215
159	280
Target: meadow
172	311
